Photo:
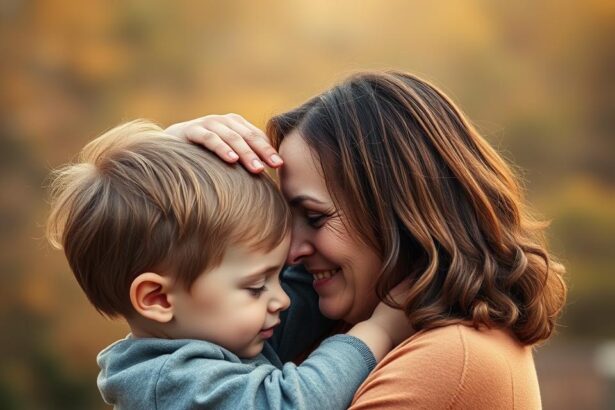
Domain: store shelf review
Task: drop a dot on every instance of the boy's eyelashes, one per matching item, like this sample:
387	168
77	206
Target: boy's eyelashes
257	287
256	291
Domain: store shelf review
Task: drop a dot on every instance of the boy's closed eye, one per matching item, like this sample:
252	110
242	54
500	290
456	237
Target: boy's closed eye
256	290
257	283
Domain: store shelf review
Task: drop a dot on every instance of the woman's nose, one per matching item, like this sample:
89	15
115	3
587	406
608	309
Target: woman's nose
299	249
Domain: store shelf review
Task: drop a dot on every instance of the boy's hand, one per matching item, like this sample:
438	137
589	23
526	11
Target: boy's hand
232	138
387	327
394	321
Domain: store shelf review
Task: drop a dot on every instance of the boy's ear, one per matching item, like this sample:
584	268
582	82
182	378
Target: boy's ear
149	295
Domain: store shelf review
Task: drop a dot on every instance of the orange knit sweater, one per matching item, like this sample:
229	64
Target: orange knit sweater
453	367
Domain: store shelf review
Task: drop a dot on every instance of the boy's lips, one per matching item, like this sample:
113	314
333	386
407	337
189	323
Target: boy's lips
268	332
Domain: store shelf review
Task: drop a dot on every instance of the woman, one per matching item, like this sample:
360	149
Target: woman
388	181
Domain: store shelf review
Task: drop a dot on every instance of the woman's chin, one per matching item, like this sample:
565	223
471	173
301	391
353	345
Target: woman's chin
332	309
336	311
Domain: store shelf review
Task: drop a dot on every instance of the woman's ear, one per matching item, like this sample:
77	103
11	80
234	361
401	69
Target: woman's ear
149	295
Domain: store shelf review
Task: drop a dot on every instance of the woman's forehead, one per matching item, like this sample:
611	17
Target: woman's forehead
301	174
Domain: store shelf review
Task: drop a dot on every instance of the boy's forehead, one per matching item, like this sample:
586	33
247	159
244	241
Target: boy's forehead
257	260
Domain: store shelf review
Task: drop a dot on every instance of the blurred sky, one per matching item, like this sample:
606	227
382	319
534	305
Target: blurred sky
536	77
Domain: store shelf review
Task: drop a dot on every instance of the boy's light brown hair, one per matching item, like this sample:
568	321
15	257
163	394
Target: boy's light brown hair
139	200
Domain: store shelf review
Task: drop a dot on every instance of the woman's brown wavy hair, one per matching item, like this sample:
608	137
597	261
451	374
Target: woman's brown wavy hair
419	185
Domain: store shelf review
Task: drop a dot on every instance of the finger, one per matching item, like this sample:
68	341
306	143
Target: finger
212	142
256	139
257	132
236	142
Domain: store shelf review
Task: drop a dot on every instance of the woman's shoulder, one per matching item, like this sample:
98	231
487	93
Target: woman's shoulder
448	366
462	340
457	352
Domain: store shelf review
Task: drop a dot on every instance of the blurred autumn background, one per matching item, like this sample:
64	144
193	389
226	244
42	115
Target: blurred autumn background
535	76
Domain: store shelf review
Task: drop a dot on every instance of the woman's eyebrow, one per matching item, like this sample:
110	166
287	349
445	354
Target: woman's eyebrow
299	199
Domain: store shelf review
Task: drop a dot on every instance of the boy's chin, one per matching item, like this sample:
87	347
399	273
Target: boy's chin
251	351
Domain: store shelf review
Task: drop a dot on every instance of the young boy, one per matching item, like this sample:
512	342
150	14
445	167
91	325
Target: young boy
188	250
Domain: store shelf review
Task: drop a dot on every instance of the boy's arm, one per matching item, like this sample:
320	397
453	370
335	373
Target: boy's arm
302	324
327	379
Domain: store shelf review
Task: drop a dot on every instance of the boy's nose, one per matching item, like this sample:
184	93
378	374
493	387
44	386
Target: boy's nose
280	300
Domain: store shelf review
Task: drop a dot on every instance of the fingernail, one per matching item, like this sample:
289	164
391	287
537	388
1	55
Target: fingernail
275	159
257	164
233	155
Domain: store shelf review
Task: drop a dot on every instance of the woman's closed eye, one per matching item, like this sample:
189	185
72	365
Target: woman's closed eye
315	219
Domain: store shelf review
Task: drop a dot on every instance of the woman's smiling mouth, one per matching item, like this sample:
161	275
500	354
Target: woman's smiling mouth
323	277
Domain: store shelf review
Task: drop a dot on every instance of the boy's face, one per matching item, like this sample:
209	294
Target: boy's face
235	305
